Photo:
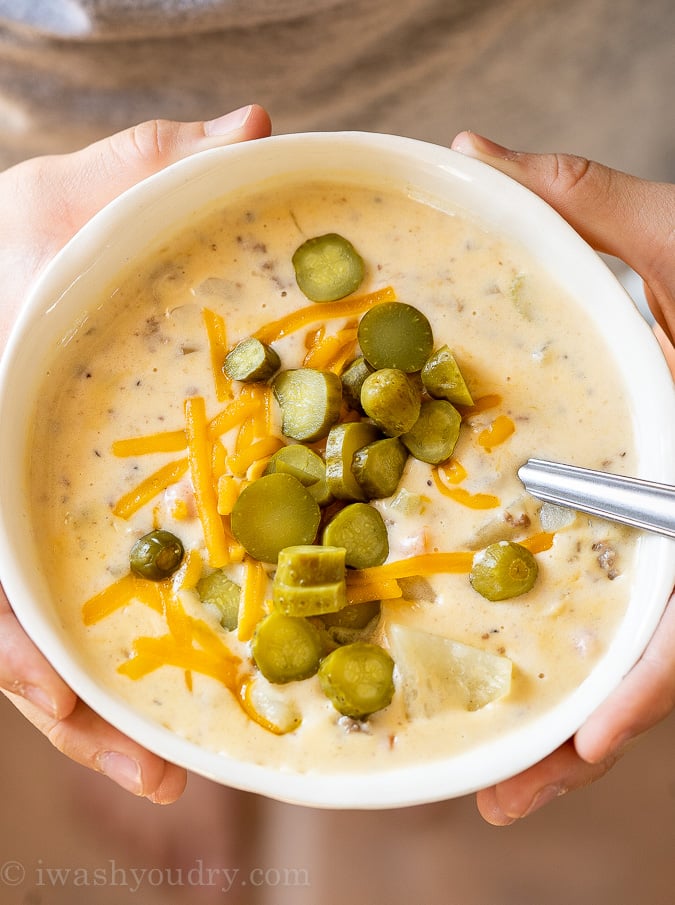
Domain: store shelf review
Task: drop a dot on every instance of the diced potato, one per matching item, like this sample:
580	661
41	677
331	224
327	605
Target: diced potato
270	707
437	673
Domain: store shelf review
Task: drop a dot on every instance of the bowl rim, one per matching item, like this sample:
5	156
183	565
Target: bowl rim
412	784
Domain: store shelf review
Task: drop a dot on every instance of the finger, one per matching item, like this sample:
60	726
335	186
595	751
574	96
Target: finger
26	672
616	213
67	190
644	698
561	772
86	738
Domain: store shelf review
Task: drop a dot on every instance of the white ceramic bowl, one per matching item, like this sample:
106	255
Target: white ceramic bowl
165	201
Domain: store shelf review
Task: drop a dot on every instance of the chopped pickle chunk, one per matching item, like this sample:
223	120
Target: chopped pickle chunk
310	580
395	335
503	570
310	402
437	673
352	381
156	555
434	435
286	648
378	467
274	512
356	616
328	268
221	594
305	465
391	400
358	679
342	442
360	529
251	360
443	379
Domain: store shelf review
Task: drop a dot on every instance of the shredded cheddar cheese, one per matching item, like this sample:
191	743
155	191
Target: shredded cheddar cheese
199	457
313	314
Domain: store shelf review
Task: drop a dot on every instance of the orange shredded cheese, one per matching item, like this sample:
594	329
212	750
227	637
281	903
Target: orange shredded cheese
199	458
496	433
261	449
241	408
118	595
313	314
216	332
148	489
462	496
163	441
362	591
252	607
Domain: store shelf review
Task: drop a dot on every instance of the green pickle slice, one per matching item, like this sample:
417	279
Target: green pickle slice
378	467
286	648
395	335
274	512
250	361
352	381
443	379
304	464
310	402
328	268
358	679
310	580
391	400
434	435
342	442
222	594
156	555
503	570
360	529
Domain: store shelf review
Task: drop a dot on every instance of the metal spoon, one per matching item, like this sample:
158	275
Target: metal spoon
631	501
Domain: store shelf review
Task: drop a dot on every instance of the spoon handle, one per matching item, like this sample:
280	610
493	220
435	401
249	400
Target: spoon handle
631	501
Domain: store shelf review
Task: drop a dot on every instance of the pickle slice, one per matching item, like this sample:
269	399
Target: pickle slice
439	674
310	402
434	435
378	467
222	595
342	442
395	335
360	529
274	512
328	268
358	679
310	580
305	465
503	570
389	398
286	648
352	381
250	361
443	379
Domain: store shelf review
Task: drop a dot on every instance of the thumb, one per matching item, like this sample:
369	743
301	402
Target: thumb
100	172
614	212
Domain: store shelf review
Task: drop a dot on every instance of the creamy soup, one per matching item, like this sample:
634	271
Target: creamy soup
116	455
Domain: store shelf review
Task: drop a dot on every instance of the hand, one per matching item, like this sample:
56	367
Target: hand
45	201
633	220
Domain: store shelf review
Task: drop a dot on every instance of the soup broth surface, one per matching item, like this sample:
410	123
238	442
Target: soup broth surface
544	385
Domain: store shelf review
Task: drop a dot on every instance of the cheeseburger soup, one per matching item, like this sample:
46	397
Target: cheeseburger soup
140	429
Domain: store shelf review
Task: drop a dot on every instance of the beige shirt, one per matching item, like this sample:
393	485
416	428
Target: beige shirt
584	75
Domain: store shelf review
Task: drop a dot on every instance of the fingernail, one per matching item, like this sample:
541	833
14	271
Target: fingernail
543	797
230	122
123	770
474	145
40	698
